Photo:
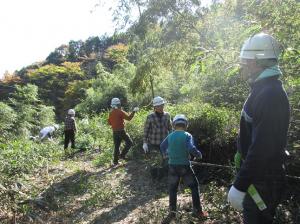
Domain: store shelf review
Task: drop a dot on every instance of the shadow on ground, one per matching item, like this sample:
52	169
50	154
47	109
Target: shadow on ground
143	190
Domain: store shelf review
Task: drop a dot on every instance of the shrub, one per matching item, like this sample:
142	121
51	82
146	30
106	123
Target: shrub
214	129
31	116
23	156
19	157
7	119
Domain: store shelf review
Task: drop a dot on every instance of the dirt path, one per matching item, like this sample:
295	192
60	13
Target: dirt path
76	191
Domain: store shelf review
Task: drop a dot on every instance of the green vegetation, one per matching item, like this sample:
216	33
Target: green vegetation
179	50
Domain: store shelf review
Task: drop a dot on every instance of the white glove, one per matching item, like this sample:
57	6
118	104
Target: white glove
145	147
236	198
136	109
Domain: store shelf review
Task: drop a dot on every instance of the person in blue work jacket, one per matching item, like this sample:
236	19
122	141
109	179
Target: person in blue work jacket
260	181
177	147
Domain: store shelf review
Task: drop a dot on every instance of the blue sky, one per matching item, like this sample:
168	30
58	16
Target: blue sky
31	29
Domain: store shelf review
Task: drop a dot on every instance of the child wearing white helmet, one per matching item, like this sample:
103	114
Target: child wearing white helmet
117	123
70	130
177	147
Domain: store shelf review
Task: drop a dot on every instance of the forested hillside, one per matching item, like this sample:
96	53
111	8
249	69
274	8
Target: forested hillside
186	53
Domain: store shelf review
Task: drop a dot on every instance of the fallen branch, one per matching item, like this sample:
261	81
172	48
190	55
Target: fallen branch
211	165
231	167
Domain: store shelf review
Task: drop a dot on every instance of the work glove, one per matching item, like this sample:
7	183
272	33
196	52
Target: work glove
236	198
237	160
198	159
136	109
145	147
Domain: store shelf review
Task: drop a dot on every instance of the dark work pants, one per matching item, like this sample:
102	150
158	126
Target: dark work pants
272	193
118	137
154	151
69	137
187	174
159	166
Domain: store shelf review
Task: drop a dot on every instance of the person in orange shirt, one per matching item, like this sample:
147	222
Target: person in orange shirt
117	123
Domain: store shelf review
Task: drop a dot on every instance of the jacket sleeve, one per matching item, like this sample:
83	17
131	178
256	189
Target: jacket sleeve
266	112
75	125
164	146
147	128
169	123
191	146
126	116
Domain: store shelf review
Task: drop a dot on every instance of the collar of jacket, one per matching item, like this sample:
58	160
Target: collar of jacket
266	81
159	114
269	72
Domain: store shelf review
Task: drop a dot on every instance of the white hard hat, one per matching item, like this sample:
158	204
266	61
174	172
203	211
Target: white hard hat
260	46
56	126
180	119
71	112
115	102
157	101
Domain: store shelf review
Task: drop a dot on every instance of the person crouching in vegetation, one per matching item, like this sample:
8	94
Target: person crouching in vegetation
70	130
178	146
48	132
116	121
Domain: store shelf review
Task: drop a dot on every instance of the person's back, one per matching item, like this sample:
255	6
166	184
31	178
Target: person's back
178	151
177	146
46	131
70	123
116	121
117	117
70	130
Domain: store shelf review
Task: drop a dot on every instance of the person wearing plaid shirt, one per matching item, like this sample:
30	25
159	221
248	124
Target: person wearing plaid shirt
70	129
157	127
